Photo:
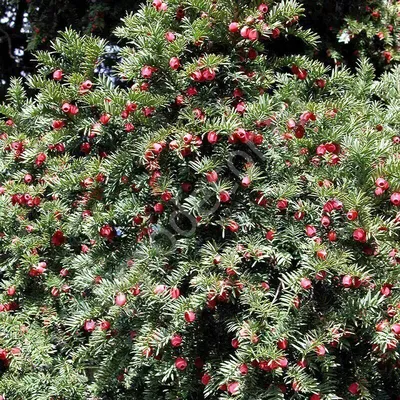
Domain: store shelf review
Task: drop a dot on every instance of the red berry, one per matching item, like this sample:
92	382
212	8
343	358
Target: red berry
396	329
3	354
212	176
158	208
212	137
105	118
233	387
263	8
85	148
147	72
87	85
205	379
28	178
246	181
386	290
282	204
265	285
305	283
310	231
106	231
302	363
347	281
325	221
352	215
174	63
332	236
40	159
270	235
176	340
354	388
170	36
105	325
66	107
188	138
11	291
320	350
58	238
283	344
302	74
382	183
208	74
180	363
233	226
322	254
190	316
120	299
58	74
359	235
166	196
58	124
244	32
233	27
224	196
175	293
395	199
320	275
186	187
381	326
253	35
89	325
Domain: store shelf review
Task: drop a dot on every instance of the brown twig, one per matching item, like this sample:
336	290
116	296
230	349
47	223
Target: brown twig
7	36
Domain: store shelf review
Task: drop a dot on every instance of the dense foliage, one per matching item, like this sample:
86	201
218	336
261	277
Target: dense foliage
222	223
28	25
353	29
348	29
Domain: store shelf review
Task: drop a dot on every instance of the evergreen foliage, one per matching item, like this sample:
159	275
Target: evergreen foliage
223	224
